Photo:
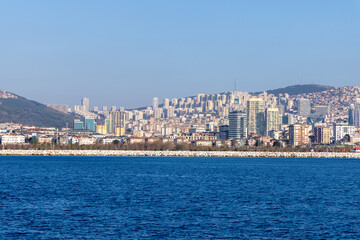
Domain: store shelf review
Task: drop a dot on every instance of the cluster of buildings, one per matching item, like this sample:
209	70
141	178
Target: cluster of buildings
5	94
231	118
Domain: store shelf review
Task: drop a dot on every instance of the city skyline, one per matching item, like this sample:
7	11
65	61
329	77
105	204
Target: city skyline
165	100
161	119
116	51
211	120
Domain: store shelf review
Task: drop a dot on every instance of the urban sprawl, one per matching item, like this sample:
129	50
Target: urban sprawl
231	119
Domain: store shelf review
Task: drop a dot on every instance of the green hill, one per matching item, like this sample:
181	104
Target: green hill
299	89
24	111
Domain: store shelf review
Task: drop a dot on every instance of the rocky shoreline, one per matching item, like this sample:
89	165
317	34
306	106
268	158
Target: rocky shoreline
134	153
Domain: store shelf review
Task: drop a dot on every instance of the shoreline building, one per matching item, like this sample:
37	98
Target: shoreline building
322	135
298	134
237	125
342	129
255	116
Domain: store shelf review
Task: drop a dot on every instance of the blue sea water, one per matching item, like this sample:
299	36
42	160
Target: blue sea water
178	198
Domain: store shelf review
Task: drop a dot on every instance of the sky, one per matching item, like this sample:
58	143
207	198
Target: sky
124	53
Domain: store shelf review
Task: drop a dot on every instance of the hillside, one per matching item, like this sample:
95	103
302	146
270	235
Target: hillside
291	90
17	109
299	89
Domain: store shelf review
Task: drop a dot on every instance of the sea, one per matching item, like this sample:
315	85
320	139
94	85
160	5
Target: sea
47	197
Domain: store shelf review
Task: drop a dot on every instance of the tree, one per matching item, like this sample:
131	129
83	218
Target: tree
258	143
277	144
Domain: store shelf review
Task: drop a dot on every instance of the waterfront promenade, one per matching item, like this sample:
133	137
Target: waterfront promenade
139	153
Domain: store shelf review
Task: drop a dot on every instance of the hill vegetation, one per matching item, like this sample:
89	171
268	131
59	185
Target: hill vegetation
299	89
24	111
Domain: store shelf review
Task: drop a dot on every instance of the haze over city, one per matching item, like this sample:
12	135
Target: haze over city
124	53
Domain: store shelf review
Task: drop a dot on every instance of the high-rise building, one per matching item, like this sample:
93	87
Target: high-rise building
78	109
322	135
223	132
169	112
351	115
174	102
155	103
107	125
90	124
157	113
357	113
85	103
237	125
272	120
78	124
298	134
255	116
119	131
321	111
117	119
101	129
281	109
304	107
166	103
288	119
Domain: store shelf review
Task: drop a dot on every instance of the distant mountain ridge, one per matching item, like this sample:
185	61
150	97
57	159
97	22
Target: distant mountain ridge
298	89
17	109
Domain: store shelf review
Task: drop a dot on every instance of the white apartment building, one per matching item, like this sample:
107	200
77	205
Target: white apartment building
341	129
12	139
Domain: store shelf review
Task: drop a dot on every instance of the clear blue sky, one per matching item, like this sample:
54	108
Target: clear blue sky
124	53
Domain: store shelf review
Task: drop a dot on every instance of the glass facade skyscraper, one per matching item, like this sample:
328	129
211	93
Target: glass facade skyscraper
90	124
304	107
78	124
255	114
237	125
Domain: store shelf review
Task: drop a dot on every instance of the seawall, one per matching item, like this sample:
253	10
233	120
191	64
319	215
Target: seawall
179	153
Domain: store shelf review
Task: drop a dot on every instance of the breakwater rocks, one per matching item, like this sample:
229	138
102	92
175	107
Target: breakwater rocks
179	153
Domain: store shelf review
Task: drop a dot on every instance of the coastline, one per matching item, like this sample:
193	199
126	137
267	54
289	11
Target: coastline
140	153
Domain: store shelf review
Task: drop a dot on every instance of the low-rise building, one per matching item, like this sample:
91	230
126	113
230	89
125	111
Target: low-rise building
12	139
222	143
202	143
135	140
45	139
87	141
110	140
